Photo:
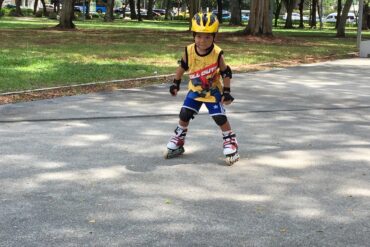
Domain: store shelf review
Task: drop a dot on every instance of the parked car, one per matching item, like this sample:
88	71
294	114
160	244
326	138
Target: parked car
245	14
163	12
296	17
79	8
226	15
160	11
332	18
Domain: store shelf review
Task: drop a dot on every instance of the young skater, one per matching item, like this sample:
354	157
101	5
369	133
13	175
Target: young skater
209	84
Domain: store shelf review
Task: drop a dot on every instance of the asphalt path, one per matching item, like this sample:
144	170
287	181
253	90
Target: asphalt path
88	170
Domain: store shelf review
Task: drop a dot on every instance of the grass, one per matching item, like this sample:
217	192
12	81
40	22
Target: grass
35	55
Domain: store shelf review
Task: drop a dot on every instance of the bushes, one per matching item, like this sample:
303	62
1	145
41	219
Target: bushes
53	15
12	12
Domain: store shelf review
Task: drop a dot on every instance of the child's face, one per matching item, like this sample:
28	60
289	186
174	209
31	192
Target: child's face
203	40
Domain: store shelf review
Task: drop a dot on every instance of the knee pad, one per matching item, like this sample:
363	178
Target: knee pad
220	119
186	114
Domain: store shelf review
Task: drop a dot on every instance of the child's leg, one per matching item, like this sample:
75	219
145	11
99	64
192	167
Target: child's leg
188	110
217	111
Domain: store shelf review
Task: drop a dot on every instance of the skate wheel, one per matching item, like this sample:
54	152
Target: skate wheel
169	154
230	160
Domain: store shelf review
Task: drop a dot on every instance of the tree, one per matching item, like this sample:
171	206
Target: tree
36	3
313	14
109	12
219	10
301	5
278	5
132	9
18	11
289	5
167	14
194	7
139	18
67	14
150	10
339	11
260	22
365	17
341	30
235	12
1	3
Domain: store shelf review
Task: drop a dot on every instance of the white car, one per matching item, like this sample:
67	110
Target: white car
296	17
332	18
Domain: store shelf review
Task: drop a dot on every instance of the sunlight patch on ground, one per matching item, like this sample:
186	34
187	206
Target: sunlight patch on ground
352	191
356	154
308	213
287	159
91	174
85	140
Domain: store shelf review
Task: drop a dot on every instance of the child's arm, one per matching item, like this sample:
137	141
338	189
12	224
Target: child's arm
175	87
226	76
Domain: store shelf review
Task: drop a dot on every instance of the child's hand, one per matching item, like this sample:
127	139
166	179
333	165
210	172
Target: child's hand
226	97
175	87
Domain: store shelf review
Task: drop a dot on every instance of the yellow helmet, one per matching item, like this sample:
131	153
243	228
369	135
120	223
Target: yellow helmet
204	23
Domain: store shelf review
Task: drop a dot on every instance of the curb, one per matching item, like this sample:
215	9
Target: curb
86	85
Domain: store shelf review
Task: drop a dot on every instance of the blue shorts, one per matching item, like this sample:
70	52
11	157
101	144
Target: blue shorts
213	108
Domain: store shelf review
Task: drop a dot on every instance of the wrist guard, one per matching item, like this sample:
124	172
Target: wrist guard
175	86
226	94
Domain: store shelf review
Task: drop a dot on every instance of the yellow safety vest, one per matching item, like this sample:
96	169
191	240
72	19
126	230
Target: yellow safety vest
204	74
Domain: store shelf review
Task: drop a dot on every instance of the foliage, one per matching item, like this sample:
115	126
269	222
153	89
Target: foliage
53	16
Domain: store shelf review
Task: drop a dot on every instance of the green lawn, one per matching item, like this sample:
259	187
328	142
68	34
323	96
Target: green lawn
34	55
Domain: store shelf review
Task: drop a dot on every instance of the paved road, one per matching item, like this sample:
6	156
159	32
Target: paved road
88	170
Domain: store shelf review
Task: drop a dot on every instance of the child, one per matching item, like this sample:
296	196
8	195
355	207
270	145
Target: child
206	65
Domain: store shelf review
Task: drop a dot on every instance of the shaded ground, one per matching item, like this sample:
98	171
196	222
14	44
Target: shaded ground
87	170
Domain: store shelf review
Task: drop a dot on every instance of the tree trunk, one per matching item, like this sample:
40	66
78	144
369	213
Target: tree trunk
289	5
319	10
56	6
66	16
133	15
44	8
168	6
277	11
139	18
150	15
109	12
1	3
219	10
313	14
193	9
35	4
87	11
18	11
339	11
301	5
365	17
235	10
341	30
260	18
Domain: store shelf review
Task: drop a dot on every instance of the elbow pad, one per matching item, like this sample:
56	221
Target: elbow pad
227	73
183	64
